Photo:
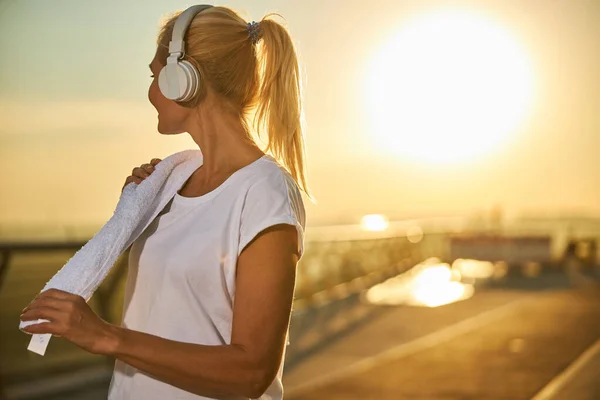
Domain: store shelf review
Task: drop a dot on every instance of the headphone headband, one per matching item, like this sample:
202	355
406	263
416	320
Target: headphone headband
177	44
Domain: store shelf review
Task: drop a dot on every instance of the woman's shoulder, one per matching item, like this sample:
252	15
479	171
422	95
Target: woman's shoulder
270	173
269	181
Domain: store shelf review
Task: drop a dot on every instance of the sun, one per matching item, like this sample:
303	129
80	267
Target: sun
449	86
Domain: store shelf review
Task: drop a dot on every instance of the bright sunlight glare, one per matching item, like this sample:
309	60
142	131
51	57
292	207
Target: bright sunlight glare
374	222
428	284
448	87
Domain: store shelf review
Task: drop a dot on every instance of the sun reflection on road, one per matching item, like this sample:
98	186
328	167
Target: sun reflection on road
431	283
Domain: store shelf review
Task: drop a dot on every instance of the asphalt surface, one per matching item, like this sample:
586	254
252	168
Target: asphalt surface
508	342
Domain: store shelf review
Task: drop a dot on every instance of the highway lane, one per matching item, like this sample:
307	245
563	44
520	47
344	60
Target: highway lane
508	342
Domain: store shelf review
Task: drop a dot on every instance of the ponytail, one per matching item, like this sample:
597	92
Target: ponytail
279	105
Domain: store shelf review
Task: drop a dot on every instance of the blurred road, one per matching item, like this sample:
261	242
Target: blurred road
513	341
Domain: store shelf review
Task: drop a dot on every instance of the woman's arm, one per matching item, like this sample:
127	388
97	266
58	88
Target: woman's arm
264	291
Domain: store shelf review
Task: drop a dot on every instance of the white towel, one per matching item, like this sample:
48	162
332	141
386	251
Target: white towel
135	210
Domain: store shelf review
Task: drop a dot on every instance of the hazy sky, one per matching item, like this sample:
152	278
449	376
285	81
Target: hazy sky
75	117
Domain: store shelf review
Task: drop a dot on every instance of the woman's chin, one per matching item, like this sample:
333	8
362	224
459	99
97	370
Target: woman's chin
166	130
162	129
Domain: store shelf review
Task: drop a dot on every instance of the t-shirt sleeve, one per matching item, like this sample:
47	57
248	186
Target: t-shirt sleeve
274	199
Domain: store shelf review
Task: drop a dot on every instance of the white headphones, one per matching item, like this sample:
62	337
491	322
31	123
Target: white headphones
179	80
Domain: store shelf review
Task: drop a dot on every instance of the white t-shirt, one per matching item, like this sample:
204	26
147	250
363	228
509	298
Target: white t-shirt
181	277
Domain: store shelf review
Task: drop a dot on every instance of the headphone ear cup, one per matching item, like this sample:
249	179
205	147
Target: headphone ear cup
165	77
192	81
178	81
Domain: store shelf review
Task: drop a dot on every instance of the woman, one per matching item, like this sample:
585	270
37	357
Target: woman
211	280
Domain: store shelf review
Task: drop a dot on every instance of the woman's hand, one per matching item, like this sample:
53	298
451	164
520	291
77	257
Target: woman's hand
142	172
72	318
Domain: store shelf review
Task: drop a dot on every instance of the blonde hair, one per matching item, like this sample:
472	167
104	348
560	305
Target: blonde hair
261	80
